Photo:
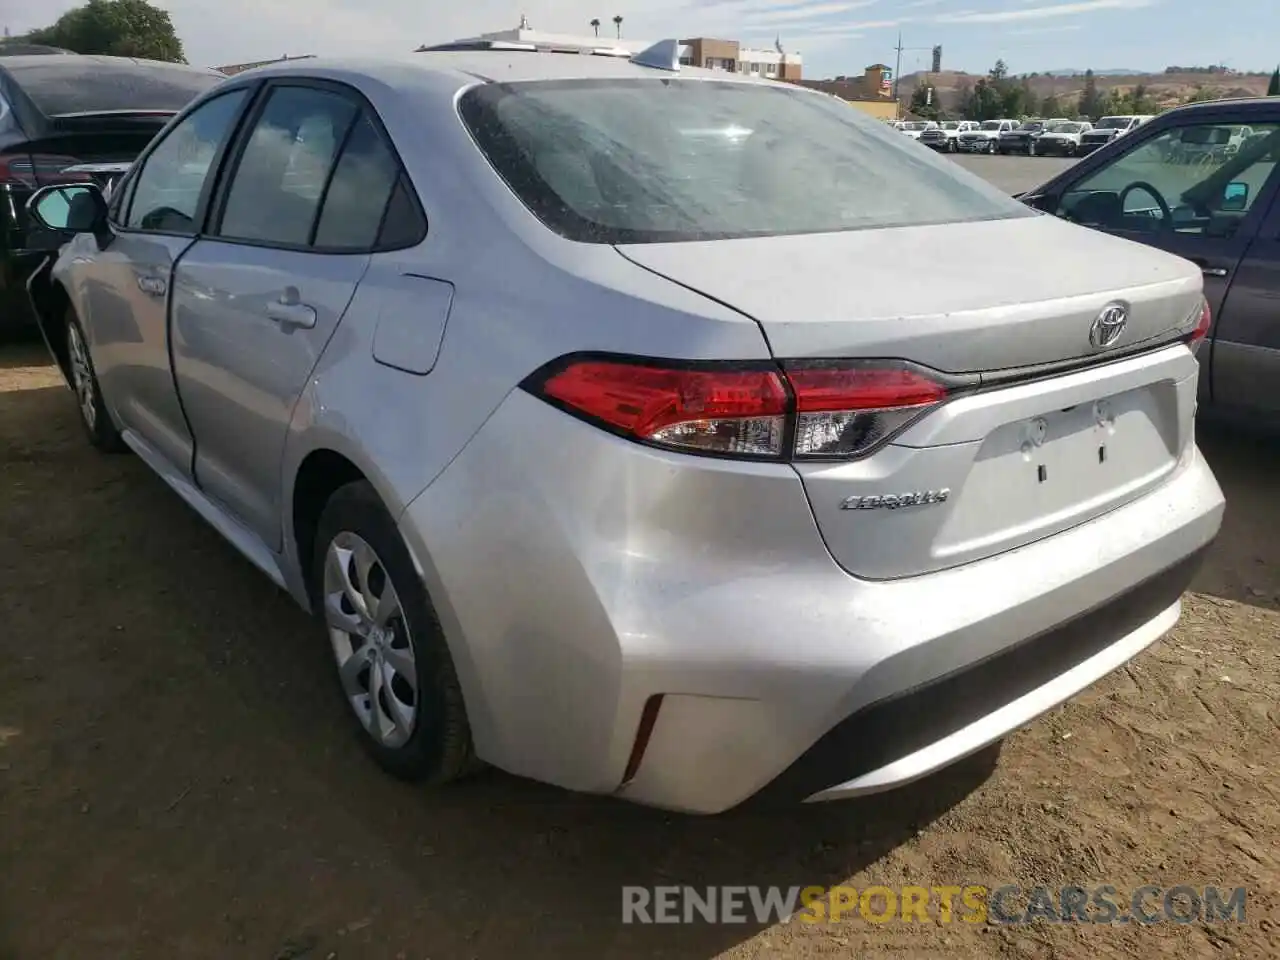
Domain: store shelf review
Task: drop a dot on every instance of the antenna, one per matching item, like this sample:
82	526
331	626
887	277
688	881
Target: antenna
663	55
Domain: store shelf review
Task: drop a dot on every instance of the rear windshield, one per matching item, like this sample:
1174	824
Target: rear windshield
634	161
59	85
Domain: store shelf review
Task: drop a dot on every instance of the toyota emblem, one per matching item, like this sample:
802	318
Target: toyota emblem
1108	325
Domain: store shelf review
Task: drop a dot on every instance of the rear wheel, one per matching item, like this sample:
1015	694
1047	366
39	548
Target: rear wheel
94	416
394	667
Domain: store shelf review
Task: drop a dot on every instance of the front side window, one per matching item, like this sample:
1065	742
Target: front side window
166	193
633	161
276	189
1198	179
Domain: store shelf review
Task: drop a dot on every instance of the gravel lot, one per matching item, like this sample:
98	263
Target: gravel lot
177	779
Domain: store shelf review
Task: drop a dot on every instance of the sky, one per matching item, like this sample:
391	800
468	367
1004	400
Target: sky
833	36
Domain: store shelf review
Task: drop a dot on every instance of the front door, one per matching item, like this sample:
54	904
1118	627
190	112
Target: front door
1246	344
1199	190
128	284
257	299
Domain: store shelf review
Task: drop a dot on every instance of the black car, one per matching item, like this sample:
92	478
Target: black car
1221	213
66	118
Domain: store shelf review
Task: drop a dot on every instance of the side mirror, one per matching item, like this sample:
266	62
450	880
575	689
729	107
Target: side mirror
69	208
1235	197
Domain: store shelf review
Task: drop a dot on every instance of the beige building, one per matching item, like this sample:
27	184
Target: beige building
872	92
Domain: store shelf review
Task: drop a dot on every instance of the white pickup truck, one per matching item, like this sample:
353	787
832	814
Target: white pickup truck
944	136
986	139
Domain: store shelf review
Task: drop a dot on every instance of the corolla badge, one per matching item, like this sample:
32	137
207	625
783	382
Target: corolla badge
1108	325
896	501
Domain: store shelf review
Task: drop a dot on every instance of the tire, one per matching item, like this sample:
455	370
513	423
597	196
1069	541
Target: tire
94	416
434	745
951	146
993	148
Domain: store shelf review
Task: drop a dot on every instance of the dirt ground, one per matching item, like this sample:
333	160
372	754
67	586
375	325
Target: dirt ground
177	779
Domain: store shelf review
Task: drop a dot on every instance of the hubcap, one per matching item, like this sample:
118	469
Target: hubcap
370	640
82	376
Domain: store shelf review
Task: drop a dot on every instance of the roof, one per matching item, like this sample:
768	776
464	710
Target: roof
493	65
1248	104
231	69
45	61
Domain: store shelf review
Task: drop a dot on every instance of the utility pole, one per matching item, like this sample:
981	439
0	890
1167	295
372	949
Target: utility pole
897	70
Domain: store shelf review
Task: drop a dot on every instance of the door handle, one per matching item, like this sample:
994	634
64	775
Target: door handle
152	286
292	314
1210	271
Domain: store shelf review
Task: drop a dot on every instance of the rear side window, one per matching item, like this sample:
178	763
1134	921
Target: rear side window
358	193
60	85
633	161
277	187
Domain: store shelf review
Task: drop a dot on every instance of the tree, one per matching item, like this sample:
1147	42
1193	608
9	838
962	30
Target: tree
1273	88
617	23
120	28
999	72
595	25
1090	100
1051	108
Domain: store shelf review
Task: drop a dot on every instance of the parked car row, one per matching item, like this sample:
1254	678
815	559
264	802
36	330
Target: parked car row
1053	137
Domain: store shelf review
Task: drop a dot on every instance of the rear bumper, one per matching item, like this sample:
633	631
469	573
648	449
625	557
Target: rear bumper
902	738
574	589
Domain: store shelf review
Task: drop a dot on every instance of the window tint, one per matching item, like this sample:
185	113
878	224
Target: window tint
404	224
277	186
611	161
60	85
1198	179
167	191
358	193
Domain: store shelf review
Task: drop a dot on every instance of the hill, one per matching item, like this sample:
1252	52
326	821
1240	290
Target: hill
1167	89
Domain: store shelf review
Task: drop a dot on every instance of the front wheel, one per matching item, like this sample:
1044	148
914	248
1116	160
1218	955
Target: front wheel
993	148
94	417
394	667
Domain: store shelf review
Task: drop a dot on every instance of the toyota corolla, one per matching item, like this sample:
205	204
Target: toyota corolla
791	463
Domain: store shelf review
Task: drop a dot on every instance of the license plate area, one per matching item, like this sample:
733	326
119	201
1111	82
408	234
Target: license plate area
1035	476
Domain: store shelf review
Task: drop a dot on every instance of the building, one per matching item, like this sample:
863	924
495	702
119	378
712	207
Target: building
707	52
232	69
731	56
872	92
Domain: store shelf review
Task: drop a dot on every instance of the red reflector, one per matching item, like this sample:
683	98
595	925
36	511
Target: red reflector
861	388
644	400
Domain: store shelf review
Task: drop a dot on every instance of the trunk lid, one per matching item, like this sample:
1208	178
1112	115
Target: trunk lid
1020	458
960	298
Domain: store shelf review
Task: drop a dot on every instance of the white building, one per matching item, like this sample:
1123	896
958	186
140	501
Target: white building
726	55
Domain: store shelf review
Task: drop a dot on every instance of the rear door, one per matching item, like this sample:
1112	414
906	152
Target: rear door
1206	207
257	299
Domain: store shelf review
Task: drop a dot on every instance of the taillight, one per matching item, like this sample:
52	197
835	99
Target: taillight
847	408
805	410
40	169
725	410
1201	329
